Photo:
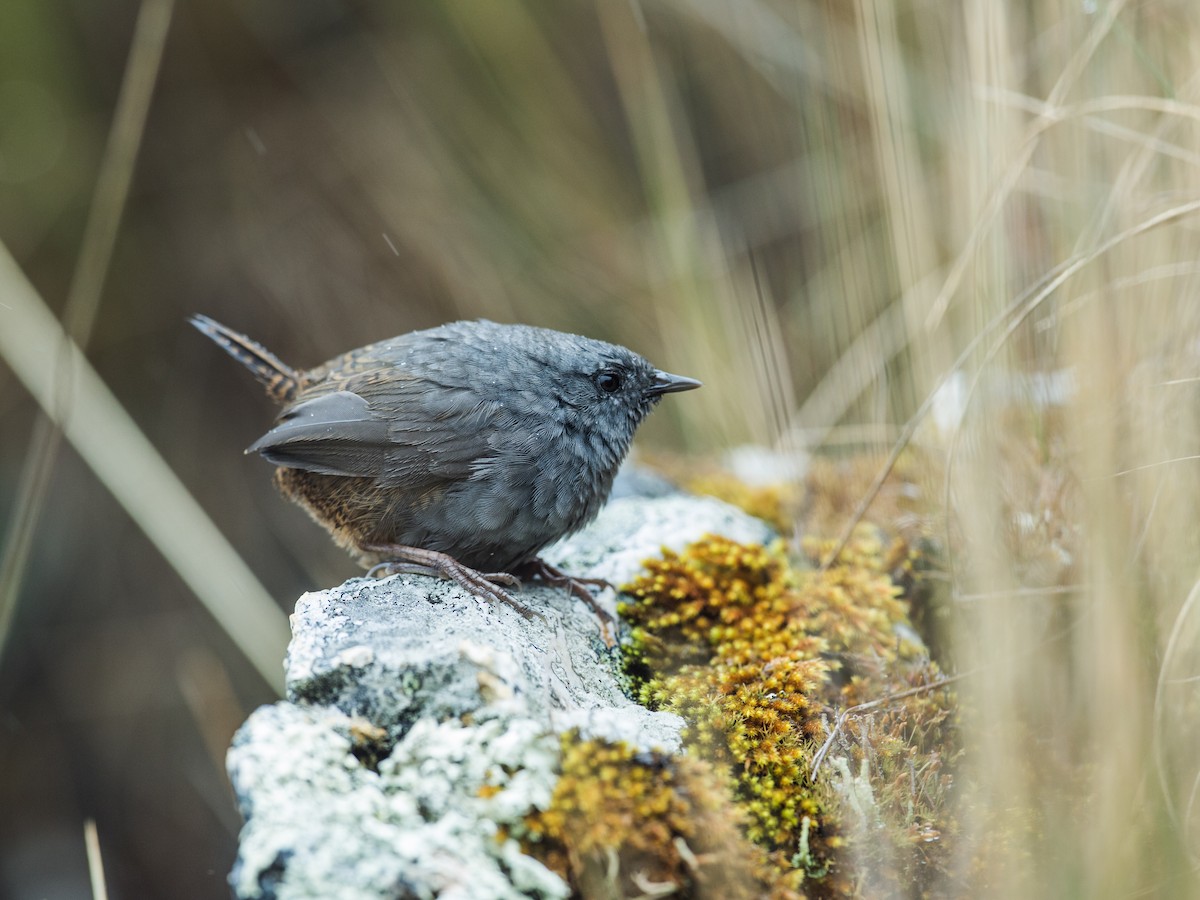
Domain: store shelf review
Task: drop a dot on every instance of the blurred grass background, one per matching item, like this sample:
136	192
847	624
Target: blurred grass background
815	207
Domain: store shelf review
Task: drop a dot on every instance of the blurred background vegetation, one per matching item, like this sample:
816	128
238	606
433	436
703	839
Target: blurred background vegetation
816	207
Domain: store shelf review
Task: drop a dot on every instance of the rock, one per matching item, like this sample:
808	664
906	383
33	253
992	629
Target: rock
408	647
631	530
322	824
422	724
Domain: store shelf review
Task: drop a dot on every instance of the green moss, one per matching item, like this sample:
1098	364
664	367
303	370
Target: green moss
756	654
623	824
777	504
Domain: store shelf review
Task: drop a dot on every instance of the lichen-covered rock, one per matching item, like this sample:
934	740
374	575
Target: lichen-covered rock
427	822
409	647
423	725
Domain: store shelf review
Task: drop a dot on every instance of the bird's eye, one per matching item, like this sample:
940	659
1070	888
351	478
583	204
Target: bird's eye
609	381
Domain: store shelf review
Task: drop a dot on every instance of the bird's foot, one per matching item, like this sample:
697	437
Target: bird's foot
396	567
556	577
418	561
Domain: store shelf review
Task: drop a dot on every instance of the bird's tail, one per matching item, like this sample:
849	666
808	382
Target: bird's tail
280	380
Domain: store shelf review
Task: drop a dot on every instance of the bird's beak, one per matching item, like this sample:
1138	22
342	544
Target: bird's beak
665	383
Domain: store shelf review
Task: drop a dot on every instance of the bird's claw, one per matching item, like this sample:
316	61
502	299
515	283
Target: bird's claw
556	577
416	560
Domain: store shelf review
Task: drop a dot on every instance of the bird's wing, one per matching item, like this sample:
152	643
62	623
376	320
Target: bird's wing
412	432
333	434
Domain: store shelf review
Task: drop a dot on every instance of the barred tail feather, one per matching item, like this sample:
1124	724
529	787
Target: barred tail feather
280	380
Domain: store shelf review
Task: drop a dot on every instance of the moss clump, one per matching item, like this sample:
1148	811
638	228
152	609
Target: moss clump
833	488
827	495
755	654
623	823
777	504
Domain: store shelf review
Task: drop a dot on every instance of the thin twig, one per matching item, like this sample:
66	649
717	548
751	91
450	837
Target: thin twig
1051	591
873	704
1153	465
1175	647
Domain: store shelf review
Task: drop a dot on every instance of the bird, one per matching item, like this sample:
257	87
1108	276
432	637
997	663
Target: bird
460	451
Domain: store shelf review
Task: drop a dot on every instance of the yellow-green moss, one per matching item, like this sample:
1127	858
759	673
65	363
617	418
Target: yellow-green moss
756	655
777	504
622	823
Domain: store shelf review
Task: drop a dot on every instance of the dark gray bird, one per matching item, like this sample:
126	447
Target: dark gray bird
462	450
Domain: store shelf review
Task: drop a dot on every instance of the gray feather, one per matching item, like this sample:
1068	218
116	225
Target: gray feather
334	434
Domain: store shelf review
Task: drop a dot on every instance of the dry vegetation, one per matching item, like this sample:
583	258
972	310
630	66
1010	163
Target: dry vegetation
967	227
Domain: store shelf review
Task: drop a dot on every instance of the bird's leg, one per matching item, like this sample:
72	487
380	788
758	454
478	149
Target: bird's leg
553	575
556	577
395	567
401	568
417	560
